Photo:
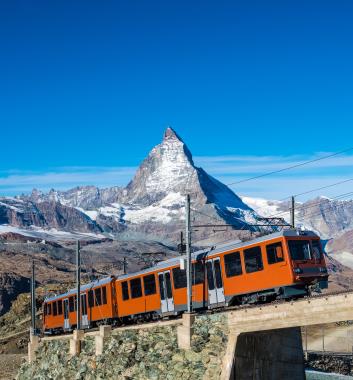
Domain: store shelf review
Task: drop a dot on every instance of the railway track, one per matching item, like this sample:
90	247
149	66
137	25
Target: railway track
218	310
276	302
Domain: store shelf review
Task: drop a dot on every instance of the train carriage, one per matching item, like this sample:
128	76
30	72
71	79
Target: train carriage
98	304
286	264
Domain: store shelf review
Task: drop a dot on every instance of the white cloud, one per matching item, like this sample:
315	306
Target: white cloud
261	164
65	178
227	169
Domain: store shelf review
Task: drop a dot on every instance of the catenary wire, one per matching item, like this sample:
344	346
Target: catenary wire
290	167
310	205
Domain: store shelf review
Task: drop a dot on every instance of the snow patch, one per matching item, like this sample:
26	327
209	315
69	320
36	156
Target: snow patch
48	234
345	258
264	207
169	209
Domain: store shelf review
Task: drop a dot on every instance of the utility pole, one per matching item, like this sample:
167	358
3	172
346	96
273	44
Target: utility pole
124	265
188	253
181	245
78	285
292	209
33	300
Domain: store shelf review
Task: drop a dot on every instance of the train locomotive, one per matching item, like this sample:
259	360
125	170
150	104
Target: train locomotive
283	265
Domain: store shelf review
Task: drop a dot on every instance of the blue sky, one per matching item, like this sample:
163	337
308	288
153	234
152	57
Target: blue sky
88	87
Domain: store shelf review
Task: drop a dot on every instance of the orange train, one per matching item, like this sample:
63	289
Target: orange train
286	264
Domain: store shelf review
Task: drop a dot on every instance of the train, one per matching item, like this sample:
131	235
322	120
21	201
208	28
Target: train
283	265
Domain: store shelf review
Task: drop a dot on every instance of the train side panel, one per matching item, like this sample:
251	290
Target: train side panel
258	272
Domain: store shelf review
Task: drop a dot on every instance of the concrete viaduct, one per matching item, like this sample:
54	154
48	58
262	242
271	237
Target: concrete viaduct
264	342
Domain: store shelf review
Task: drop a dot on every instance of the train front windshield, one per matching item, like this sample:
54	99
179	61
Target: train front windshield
300	249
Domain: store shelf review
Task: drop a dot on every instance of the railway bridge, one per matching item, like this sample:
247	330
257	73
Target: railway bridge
264	341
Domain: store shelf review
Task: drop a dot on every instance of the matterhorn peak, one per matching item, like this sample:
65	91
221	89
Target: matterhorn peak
169	133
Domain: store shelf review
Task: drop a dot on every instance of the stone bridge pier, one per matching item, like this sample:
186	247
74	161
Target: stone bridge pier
265	355
265	342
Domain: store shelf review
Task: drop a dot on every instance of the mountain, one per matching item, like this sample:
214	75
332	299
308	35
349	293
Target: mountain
332	219
152	203
151	206
45	214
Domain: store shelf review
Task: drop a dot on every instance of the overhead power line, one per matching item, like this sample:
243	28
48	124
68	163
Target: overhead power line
279	213
290	167
318	188
315	213
313	204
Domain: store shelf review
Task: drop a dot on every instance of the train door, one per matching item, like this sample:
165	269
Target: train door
84	317
165	289
215	282
66	314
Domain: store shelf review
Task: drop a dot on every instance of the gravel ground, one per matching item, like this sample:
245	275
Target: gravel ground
9	364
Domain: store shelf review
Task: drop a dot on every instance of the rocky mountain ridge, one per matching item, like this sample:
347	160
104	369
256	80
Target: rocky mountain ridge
152	203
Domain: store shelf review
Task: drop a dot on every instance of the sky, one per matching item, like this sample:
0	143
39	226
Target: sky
88	87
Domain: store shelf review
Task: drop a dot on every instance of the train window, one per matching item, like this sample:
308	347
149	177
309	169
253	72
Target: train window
198	273
274	253
169	285
45	309
60	307
90	298
98	296
161	286
210	278
149	283
253	259
71	304
299	249
49	308
135	287
104	295
55	309
232	263
83	303
218	274
125	290
179	278
316	248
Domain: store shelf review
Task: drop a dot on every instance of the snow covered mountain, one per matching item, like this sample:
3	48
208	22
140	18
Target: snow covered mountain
329	217
152	203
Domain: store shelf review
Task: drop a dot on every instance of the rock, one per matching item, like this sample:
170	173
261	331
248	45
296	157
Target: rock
178	357
192	356
130	354
11	285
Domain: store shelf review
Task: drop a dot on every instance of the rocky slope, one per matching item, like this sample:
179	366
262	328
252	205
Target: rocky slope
47	214
11	285
137	354
55	263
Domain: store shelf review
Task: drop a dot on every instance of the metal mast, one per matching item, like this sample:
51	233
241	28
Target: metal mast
78	285
33	300
292	209
188	253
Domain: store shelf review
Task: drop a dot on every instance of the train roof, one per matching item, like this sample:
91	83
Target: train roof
93	284
228	246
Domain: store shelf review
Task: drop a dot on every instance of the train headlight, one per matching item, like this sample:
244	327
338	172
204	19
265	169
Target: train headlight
297	270
323	270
